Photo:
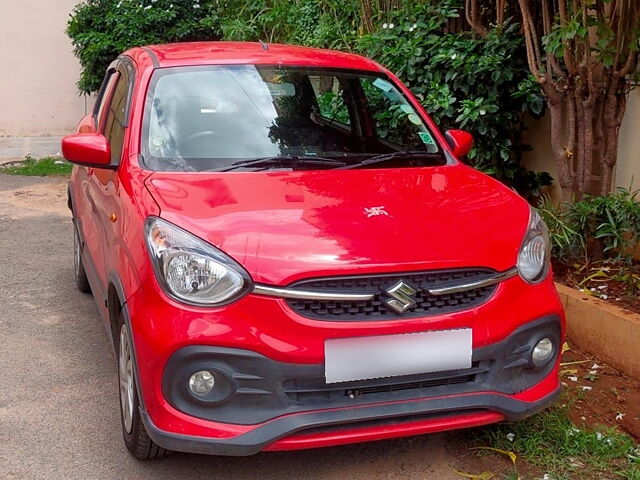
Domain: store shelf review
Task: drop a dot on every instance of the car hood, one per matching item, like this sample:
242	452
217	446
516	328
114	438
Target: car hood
285	226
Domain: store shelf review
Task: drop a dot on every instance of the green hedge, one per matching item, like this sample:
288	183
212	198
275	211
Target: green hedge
481	84
100	30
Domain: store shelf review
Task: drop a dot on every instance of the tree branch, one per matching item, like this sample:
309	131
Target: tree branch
474	19
569	60
500	5
531	40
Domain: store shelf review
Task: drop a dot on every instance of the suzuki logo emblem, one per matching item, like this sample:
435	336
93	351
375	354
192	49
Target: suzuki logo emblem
401	297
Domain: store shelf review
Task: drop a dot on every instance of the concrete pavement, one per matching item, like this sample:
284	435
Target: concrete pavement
16	148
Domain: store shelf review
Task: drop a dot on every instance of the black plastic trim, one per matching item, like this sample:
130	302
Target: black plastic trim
101	166
152	56
416	311
261	389
130	70
103	86
260	437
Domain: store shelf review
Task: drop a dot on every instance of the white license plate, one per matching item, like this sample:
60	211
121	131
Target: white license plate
362	358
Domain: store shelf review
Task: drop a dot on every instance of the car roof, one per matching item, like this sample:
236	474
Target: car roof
212	53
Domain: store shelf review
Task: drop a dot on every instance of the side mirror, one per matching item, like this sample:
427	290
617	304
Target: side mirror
87	149
459	141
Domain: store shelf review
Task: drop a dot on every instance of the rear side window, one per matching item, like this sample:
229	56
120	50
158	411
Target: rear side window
330	97
114	123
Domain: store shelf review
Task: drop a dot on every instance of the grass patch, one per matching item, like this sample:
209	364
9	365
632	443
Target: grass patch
49	166
551	441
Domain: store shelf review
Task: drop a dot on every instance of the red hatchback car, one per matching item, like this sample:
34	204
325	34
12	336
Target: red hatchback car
287	253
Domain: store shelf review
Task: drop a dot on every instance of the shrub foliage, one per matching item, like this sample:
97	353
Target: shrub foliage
595	228
100	30
479	83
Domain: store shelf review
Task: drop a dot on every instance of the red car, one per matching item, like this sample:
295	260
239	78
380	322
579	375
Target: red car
287	253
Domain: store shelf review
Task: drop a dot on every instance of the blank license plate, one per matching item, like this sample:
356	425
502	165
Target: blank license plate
362	358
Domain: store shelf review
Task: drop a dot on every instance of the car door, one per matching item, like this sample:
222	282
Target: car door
104	184
84	205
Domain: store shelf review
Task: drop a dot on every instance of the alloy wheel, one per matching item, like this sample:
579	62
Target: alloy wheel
76	253
125	366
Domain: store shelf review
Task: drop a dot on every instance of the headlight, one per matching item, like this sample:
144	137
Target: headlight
191	270
534	255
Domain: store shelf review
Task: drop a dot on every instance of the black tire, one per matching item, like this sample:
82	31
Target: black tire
82	282
136	438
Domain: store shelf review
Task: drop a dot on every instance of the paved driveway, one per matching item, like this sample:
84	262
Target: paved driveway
59	415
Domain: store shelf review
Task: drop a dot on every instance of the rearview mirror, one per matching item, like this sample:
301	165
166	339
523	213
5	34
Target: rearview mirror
87	149
460	142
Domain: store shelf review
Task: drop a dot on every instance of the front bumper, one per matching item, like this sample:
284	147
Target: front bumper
418	416
268	329
287	406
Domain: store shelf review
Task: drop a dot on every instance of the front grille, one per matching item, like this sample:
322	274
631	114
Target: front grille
376	309
312	391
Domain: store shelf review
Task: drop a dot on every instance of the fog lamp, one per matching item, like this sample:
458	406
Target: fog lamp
542	352
201	382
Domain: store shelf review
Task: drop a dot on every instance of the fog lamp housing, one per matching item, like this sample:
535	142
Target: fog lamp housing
542	352
201	383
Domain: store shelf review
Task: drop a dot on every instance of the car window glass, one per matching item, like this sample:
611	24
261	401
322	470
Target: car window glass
200	118
103	99
115	119
330	98
395	119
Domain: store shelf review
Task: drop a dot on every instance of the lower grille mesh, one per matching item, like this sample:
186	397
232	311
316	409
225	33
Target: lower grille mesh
313	390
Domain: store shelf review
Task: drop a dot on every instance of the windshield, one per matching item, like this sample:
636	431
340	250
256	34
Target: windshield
222	117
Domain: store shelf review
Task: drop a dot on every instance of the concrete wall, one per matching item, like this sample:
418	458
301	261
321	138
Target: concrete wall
38	94
627	166
540	158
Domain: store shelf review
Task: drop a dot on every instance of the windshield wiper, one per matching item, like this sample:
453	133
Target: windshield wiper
390	156
282	160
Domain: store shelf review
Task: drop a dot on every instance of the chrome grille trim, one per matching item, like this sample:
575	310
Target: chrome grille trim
485	282
294	293
308	295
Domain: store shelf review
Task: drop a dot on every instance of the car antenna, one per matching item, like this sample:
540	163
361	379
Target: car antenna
264	45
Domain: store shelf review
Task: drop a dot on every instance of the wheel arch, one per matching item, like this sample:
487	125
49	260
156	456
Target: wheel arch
117	308
116	301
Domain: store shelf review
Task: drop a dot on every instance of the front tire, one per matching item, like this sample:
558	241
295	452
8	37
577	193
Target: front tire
135	436
82	282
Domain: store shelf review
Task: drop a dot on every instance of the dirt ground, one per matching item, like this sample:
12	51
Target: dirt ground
604	395
35	199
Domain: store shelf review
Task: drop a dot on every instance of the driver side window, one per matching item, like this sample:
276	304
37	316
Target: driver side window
103	99
114	121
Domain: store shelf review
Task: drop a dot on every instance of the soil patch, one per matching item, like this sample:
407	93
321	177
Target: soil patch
612	285
35	200
604	395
